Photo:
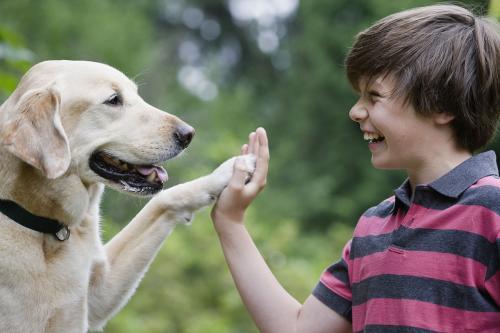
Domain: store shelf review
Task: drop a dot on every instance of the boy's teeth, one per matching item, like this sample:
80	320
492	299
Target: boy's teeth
371	136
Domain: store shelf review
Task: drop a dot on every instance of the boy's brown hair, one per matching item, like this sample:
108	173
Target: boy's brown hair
443	59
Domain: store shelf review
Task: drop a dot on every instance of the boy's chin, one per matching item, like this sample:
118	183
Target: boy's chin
380	163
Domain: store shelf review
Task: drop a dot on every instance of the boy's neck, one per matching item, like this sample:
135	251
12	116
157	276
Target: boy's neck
435	167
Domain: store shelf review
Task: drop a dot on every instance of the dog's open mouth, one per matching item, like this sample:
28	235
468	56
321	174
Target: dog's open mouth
139	179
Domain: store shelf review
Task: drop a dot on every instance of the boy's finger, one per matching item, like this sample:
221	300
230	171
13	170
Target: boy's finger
244	149
262	140
262	165
251	142
256	146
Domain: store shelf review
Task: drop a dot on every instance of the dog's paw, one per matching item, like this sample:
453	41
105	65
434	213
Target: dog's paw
181	201
225	171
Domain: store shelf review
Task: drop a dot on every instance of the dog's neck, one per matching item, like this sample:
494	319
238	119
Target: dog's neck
64	199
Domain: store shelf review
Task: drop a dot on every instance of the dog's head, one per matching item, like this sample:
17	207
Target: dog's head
86	118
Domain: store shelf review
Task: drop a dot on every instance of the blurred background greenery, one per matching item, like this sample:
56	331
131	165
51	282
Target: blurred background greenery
227	67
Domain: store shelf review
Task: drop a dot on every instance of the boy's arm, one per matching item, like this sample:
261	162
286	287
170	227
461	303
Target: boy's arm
272	308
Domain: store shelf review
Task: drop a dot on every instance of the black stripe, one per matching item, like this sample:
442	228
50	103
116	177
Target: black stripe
363	246
494	265
382	210
484	196
340	271
423	289
461	243
393	329
457	242
335	302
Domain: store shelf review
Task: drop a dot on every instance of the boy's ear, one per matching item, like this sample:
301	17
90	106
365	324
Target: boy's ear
34	133
442	118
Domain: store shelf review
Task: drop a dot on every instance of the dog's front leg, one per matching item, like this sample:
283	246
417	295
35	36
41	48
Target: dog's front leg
127	256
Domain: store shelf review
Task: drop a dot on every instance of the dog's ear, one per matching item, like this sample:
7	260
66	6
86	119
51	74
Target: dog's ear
34	133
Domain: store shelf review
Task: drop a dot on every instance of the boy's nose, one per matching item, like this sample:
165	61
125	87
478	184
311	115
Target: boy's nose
358	113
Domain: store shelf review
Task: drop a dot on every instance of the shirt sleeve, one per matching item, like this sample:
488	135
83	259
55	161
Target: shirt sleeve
492	282
334	288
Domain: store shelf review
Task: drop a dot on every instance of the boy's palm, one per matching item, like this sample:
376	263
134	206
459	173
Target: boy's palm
242	189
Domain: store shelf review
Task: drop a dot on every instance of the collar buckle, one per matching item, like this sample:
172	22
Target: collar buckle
63	234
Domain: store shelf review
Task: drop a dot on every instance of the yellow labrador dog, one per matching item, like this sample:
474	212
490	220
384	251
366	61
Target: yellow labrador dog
70	128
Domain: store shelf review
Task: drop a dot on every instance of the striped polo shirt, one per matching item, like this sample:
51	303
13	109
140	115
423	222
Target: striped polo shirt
424	264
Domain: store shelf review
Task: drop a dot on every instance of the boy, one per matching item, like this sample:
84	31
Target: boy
426	259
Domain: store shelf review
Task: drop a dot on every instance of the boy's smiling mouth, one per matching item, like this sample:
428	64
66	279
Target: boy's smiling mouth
373	137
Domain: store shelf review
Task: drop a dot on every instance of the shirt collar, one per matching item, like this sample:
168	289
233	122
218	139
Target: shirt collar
403	193
456	181
465	174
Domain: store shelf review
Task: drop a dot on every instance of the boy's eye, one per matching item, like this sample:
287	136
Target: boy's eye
374	94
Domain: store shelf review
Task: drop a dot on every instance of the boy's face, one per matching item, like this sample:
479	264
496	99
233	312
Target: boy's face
397	136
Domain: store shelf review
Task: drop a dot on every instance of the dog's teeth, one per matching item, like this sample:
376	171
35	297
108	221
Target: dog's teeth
129	188
151	177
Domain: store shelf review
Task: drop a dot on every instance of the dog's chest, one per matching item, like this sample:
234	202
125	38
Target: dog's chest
40	276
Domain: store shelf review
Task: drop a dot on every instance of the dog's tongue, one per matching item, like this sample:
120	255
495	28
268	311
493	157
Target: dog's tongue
161	173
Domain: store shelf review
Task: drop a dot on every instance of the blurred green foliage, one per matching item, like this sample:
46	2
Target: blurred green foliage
223	84
495	8
14	60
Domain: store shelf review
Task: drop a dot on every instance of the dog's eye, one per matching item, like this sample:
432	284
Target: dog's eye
114	100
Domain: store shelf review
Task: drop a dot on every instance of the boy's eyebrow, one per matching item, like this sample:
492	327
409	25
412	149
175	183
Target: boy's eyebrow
373	85
376	84
379	87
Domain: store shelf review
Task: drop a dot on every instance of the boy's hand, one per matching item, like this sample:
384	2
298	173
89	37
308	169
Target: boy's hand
240	192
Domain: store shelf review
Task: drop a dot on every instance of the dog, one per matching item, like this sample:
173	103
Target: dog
69	129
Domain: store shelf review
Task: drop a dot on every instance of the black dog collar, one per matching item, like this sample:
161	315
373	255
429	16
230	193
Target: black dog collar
38	223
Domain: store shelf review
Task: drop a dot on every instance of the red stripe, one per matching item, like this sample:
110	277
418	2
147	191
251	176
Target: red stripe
487	181
434	265
475	219
346	251
424	315
374	225
335	285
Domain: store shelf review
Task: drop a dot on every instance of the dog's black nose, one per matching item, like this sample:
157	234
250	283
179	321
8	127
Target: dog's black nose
183	135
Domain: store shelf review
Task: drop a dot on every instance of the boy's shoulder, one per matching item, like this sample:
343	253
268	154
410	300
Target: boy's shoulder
373	221
484	193
491	182
383	209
